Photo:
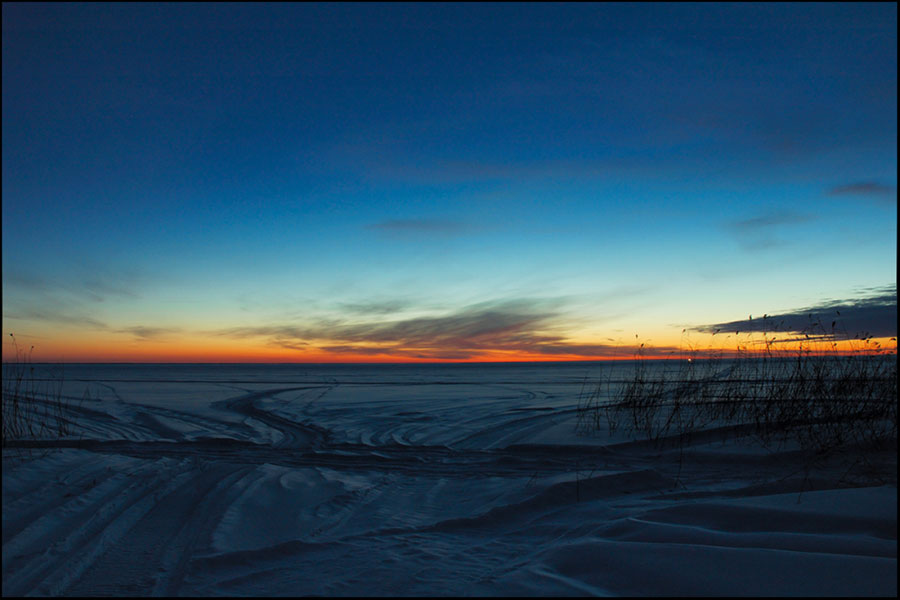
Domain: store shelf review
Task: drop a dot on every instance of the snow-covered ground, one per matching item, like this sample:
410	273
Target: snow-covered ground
418	480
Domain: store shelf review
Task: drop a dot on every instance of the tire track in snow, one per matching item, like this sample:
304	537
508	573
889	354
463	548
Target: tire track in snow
296	435
44	498
152	559
49	553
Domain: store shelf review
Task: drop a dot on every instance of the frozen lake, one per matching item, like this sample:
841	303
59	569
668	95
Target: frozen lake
455	479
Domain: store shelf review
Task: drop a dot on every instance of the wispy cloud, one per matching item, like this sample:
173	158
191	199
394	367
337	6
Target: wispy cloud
26	281
759	233
148	333
50	315
289	344
882	193
96	286
374	307
875	314
284	332
68	300
768	221
421	227
83	321
510	326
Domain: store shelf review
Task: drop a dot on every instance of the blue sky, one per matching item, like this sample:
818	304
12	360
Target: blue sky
256	179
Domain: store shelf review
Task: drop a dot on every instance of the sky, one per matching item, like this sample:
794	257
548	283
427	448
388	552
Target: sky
444	182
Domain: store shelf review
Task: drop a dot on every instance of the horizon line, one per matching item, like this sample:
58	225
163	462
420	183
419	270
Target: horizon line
885	353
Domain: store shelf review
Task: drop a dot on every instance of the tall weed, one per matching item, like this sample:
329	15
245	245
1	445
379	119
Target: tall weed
34	407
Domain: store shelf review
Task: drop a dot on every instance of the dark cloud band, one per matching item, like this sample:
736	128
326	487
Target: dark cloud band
875	315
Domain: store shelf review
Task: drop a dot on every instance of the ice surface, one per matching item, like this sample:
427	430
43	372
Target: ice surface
415	480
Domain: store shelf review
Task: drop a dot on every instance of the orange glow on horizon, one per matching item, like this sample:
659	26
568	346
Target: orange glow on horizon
227	351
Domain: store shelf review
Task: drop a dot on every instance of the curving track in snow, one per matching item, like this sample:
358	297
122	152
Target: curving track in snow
430	488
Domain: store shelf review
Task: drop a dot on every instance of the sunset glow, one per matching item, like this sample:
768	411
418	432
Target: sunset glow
434	182
449	299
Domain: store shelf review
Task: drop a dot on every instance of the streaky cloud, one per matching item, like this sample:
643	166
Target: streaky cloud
510	326
148	333
770	220
759	233
275	331
419	227
605	350
871	189
98	289
25	281
374	308
58	317
289	344
97	286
